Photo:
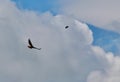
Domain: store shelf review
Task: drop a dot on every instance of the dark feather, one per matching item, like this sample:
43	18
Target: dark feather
66	27
30	43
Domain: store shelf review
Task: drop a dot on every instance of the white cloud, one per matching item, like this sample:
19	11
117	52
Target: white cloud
66	56
109	74
100	13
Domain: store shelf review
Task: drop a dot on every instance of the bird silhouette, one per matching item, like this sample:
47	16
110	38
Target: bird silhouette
66	27
31	45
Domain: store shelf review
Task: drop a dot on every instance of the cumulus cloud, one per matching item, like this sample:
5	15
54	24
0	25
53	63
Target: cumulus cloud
67	55
109	74
100	13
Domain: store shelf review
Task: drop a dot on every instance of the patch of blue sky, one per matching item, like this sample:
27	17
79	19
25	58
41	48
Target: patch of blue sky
108	40
38	5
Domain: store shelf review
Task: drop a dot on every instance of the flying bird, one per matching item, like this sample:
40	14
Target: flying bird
66	27
31	45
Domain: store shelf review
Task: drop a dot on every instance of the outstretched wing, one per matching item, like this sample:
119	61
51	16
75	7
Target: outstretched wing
37	48
30	43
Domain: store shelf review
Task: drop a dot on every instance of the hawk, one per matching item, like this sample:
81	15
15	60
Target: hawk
31	45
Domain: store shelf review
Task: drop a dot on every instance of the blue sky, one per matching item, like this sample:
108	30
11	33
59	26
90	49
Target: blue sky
38	5
87	51
94	12
106	39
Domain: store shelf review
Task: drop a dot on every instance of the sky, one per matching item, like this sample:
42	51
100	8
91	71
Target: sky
103	13
67	55
38	5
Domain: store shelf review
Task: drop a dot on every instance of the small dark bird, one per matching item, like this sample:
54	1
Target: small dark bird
31	46
66	27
